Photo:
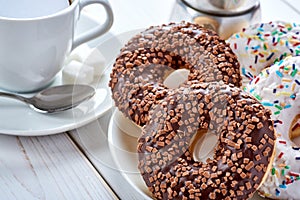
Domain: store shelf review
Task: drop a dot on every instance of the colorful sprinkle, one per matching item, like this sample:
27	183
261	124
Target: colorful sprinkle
270	56
257	96
277	113
267	104
284	94
284	87
282	142
287	106
243	71
287	167
294	72
274	33
277	192
273	171
249	40
296	148
293	86
256	47
287	81
282	186
294	174
279	74
278	121
296	44
278	107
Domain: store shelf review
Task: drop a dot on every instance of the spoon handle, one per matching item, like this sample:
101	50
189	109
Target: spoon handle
14	96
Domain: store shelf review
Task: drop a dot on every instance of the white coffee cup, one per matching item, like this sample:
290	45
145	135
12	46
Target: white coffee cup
32	50
31	8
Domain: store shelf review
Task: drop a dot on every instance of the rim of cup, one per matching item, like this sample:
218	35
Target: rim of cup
60	12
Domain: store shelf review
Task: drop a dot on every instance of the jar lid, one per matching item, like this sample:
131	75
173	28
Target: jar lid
207	7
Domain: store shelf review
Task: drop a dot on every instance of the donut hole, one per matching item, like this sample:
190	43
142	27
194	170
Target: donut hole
294	132
203	145
176	77
296	140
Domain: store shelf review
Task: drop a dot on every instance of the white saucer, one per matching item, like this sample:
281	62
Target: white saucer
123	148
17	118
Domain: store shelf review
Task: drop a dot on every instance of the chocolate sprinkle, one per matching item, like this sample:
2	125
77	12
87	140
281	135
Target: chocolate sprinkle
237	168
149	57
171	117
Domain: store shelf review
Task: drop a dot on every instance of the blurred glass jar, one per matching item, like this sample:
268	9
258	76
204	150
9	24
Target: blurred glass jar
227	4
224	16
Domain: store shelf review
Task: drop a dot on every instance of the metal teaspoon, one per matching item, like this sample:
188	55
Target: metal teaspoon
56	99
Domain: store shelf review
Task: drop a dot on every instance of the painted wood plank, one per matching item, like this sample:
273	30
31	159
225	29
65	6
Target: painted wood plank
93	141
272	10
49	167
146	13
294	5
134	14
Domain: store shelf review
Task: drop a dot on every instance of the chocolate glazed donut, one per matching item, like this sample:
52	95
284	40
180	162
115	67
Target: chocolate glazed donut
149	57
242	156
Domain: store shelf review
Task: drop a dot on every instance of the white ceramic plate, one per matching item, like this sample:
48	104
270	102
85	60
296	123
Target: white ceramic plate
122	137
123	148
17	118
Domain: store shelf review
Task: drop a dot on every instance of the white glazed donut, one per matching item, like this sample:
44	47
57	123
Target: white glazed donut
278	88
260	45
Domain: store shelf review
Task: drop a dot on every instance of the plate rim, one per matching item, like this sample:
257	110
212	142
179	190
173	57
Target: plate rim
124	174
114	155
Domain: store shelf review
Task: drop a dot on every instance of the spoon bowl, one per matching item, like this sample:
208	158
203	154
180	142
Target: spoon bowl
56	99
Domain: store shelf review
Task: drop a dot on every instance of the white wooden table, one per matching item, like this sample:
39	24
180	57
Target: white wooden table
78	164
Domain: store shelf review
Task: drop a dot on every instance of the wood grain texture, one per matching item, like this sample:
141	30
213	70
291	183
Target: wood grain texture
52	167
135	14
273	10
294	5
49	167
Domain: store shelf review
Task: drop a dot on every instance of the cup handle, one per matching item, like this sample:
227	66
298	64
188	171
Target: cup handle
101	29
